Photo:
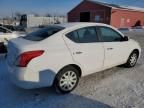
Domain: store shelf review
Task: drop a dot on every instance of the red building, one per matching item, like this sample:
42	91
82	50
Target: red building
115	15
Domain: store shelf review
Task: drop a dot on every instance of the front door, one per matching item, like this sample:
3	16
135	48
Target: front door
116	50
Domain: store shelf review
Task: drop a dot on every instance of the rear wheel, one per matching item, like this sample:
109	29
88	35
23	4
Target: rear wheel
66	80
132	60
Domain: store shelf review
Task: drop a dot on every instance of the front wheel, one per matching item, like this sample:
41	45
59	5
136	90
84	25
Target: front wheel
66	80
132	60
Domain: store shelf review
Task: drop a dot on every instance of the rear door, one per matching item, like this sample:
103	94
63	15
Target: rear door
116	50
86	49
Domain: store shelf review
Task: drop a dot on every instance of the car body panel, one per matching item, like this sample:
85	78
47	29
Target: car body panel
113	55
4	37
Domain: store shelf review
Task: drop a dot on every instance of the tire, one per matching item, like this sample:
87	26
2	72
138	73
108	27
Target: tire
66	80
132	60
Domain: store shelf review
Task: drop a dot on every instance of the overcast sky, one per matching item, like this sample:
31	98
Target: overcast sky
7	7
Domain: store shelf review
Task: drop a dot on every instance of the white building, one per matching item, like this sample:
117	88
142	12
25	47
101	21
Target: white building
34	21
1	21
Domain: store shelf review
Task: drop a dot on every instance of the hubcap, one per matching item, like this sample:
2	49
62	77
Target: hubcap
133	59
68	81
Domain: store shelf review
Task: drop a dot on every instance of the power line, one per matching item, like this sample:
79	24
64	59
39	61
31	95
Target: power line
128	2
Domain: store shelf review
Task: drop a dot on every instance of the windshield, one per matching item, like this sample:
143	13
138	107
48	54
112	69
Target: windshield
43	33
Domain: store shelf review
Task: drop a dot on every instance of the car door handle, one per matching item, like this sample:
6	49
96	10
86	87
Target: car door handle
109	48
79	52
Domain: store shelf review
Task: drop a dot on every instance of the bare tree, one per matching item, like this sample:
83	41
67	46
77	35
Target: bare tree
18	15
36	14
48	15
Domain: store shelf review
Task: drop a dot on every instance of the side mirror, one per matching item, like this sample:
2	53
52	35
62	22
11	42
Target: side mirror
125	38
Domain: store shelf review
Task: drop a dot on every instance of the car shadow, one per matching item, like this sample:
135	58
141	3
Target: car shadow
45	98
13	96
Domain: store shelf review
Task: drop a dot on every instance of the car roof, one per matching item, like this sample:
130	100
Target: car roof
74	24
85	24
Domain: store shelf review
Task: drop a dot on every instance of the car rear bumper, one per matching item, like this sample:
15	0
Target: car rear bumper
27	79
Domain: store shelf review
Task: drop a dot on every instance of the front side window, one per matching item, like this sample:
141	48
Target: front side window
43	33
83	35
109	35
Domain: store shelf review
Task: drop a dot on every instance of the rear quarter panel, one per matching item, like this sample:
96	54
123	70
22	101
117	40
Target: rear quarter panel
56	55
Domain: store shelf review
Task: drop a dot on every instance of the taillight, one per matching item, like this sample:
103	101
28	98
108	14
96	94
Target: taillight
26	57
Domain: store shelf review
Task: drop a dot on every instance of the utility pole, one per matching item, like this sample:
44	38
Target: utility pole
12	16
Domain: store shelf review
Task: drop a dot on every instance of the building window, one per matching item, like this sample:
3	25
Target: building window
97	18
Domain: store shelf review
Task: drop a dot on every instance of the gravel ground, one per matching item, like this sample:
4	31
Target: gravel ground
114	88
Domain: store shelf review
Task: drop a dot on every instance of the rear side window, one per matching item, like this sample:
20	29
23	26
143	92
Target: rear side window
84	35
43	33
73	36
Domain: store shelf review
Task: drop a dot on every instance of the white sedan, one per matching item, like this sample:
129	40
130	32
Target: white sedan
6	35
60	54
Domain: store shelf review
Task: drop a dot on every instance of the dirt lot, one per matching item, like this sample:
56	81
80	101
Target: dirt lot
114	88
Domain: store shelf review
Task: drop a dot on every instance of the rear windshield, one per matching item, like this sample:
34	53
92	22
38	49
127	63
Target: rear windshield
43	33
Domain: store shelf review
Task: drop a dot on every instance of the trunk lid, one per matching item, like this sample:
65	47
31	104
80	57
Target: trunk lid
15	48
